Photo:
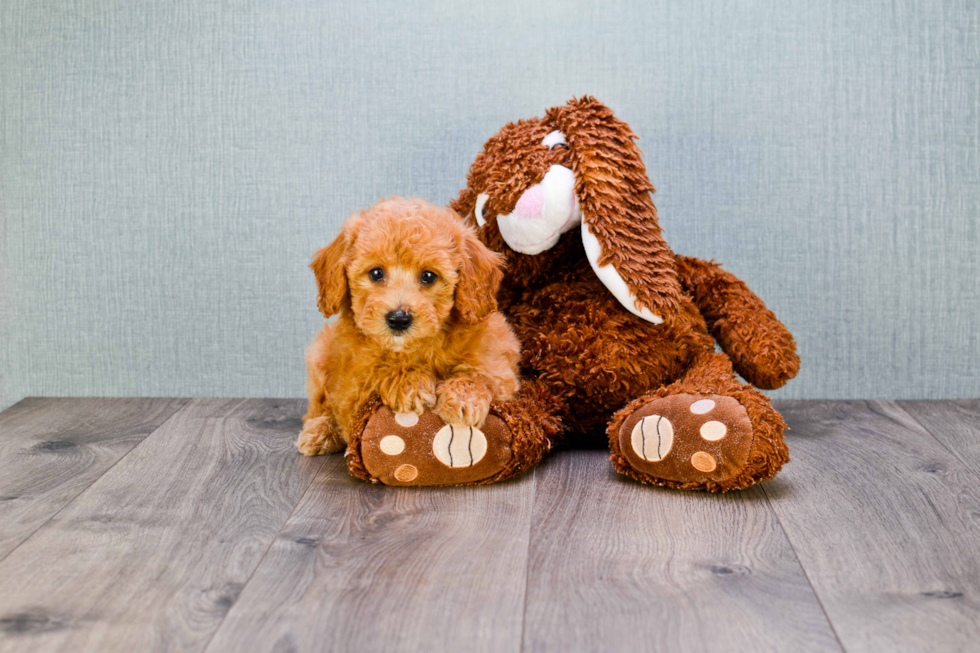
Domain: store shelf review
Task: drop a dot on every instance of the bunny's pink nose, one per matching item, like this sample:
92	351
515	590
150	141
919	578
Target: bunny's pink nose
531	203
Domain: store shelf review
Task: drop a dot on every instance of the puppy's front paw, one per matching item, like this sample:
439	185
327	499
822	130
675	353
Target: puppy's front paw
318	437
413	396
463	401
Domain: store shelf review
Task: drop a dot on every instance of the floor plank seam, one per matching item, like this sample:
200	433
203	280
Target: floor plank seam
806	574
527	562
969	464
265	553
47	521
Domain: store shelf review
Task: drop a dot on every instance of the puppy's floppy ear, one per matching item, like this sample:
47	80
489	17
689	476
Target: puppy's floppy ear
329	265
480	275
619	221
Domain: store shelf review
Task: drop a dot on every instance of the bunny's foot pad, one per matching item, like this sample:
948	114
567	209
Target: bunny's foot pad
422	450
688	439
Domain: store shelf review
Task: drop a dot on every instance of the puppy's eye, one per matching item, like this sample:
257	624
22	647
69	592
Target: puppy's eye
563	146
377	274
428	278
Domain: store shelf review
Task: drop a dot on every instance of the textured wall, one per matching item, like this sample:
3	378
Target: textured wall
167	168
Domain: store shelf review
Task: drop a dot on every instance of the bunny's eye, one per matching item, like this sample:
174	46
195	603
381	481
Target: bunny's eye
377	274
553	140
479	212
428	278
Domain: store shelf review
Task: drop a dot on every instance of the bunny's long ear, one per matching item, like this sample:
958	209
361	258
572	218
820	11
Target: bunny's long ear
329	265
619	221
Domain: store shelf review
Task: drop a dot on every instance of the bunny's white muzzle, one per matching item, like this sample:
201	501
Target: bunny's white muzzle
543	213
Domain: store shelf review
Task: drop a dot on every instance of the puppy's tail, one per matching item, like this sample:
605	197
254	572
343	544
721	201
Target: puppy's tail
761	348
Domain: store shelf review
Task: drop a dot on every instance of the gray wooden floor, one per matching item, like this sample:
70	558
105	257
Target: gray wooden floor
192	525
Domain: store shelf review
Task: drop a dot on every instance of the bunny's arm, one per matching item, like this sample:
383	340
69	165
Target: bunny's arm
761	348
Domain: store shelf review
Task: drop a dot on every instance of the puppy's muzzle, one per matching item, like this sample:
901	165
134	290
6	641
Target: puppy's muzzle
398	320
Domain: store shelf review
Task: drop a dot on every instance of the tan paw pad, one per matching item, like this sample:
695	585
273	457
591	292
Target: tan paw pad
702	406
407	420
459	446
704	462
652	437
713	431
391	445
406	473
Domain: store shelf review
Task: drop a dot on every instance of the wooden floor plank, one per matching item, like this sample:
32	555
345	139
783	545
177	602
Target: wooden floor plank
372	568
620	566
52	449
156	551
954	423
886	522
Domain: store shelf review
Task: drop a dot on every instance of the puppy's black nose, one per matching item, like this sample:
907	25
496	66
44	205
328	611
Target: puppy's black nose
399	320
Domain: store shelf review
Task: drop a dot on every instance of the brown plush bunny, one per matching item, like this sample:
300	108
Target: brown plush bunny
618	332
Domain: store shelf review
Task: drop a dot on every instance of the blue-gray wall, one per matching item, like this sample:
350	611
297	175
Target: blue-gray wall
167	168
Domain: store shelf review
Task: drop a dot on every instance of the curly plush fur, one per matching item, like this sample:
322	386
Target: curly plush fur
599	362
458	354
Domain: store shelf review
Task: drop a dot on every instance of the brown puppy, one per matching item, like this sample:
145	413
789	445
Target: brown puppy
418	326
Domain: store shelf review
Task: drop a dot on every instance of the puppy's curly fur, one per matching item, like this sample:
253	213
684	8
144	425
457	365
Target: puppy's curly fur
457	355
